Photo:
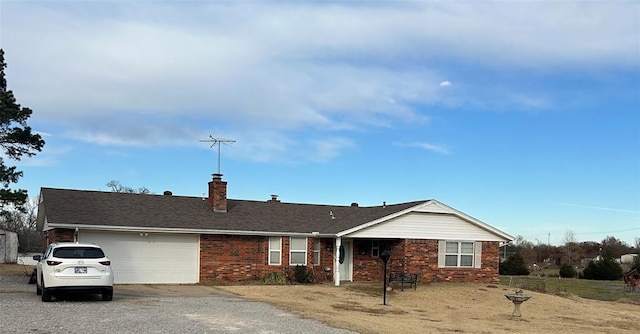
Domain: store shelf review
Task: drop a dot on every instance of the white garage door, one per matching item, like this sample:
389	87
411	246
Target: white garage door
149	258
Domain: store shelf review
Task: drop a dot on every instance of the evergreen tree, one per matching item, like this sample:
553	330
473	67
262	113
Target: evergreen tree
16	140
514	265
568	271
604	270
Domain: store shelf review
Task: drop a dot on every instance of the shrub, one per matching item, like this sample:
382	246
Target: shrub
514	265
604	270
635	264
302	275
568	271
275	278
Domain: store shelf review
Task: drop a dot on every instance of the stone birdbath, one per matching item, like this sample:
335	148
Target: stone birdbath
517	298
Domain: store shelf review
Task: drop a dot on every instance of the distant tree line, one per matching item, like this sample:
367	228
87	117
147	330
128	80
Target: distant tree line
571	252
598	260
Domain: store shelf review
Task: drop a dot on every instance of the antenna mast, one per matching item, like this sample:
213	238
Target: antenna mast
218	141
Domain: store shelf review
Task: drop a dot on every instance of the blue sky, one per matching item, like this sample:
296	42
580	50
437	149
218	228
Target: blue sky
521	114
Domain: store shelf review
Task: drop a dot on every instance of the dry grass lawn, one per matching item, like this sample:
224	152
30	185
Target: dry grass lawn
444	308
14	269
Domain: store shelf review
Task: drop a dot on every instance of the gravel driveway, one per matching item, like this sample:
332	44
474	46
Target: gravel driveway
144	309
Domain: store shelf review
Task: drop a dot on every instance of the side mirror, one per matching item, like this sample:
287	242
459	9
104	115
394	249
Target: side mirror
37	257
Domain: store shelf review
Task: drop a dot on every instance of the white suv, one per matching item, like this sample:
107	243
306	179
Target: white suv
70	267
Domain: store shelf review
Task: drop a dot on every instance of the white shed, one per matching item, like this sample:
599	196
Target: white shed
8	247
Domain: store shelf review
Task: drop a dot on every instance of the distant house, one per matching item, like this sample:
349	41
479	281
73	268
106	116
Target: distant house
627	258
585	261
177	239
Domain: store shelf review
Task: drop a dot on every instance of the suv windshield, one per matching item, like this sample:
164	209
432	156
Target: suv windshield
78	253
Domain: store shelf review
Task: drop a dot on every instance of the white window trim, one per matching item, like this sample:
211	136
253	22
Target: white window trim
316	251
476	259
275	250
375	248
291	251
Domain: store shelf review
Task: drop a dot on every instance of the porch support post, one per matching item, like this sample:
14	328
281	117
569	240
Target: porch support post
336	262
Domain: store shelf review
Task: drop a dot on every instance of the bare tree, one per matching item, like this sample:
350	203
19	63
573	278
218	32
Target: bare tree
569	237
570	245
119	188
23	221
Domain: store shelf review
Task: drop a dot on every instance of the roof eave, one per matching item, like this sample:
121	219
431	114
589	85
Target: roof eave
81	227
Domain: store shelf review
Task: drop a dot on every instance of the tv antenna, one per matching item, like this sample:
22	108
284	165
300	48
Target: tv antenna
218	141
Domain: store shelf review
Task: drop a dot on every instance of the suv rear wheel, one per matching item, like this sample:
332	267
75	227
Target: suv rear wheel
107	295
46	296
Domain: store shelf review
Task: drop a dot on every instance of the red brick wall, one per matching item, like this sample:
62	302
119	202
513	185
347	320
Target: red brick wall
57	235
421	257
326	260
232	258
241	258
366	267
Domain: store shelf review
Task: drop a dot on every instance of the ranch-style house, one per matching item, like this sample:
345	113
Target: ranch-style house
179	239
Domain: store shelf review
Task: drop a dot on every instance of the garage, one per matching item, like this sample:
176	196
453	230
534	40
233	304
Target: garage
144	258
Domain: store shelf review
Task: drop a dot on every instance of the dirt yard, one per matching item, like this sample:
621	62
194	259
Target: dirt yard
433	308
444	308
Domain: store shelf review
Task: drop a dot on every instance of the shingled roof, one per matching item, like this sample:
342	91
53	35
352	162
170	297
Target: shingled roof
65	208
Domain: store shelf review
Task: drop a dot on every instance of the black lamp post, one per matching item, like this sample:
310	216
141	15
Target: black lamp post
385	257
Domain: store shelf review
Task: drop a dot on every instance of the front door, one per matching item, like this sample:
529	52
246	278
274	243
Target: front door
346	265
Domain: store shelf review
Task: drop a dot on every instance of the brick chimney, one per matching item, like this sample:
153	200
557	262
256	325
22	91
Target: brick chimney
218	193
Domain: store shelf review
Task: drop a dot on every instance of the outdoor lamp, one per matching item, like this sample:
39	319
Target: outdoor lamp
385	258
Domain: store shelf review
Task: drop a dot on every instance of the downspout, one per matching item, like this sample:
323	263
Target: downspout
336	262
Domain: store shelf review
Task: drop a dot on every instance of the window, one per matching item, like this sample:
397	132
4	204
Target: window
78	253
375	248
459	254
275	251
316	252
298	251
46	254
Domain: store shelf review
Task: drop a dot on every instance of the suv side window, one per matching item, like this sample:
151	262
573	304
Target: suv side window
47	252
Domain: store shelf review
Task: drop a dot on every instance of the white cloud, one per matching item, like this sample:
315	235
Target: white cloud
42	133
329	148
442	149
51	155
284	67
600	208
